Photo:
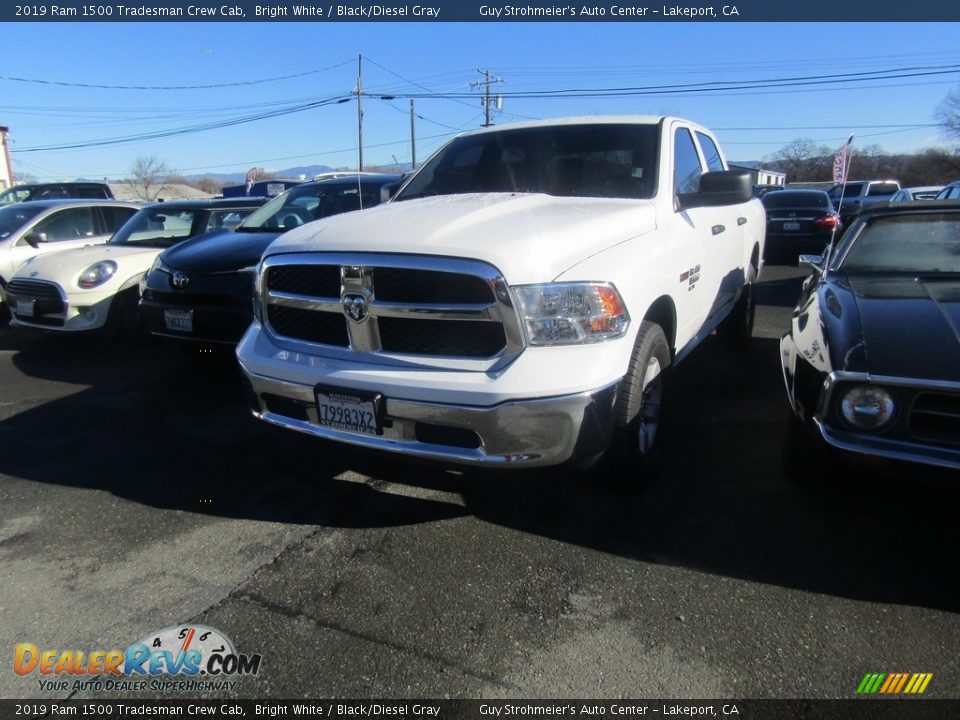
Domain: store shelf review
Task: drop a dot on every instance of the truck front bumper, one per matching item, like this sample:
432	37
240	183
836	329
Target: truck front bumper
518	433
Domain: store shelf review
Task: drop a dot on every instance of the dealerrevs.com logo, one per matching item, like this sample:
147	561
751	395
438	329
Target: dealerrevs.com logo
181	658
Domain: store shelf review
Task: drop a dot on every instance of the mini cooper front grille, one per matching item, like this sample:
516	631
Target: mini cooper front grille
391	304
37	289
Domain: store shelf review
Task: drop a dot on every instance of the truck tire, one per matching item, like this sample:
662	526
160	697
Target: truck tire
634	451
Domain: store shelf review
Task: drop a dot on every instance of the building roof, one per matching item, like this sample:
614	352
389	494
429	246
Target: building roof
173	191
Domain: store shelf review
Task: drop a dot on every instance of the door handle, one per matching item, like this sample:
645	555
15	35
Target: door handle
717	229
741	221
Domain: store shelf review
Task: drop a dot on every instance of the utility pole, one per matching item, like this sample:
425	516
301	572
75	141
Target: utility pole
487	81
413	138
360	110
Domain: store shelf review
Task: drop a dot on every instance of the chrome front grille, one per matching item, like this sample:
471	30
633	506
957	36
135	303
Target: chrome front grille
390	306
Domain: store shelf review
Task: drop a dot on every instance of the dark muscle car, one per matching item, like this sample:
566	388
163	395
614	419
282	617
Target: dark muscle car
872	359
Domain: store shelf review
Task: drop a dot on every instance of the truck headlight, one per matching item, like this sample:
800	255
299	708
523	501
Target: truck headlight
97	274
571	313
868	407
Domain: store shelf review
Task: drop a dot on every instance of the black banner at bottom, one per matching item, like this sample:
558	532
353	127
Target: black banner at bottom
861	709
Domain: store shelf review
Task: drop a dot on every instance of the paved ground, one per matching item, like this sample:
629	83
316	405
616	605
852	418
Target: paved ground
136	493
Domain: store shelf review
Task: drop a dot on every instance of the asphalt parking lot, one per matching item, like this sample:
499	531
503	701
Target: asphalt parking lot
136	493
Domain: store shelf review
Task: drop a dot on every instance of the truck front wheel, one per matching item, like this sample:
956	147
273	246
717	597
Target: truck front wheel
635	446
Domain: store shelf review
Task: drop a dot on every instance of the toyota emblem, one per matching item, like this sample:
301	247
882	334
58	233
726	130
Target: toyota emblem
355	307
180	279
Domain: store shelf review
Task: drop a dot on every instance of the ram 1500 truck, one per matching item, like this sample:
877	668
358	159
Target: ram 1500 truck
519	300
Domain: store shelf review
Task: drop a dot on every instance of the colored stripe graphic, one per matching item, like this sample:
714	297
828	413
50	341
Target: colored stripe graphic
894	683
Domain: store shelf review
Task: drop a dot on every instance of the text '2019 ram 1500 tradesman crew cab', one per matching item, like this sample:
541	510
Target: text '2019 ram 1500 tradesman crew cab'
517	302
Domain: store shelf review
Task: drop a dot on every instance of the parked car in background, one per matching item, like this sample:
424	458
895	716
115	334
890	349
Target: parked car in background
798	221
95	287
261	188
950	192
56	191
923	192
37	227
872	359
202	290
849	199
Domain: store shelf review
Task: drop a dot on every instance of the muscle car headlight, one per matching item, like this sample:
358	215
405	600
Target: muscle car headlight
868	407
97	274
571	313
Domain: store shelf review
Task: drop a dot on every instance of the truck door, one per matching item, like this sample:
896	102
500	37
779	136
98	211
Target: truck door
725	245
690	233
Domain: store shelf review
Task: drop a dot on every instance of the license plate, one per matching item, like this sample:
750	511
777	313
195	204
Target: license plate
26	307
179	320
791	226
348	410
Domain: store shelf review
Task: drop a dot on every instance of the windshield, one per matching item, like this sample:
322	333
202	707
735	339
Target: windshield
915	244
591	160
14	217
157	227
312	201
852	190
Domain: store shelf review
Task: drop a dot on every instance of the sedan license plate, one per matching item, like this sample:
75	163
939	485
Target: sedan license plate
791	226
348	410
26	307
179	320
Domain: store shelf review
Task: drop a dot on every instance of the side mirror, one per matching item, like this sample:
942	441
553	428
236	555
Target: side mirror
722	187
35	238
814	263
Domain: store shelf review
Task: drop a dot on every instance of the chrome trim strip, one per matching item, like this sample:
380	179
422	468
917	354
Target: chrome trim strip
434	311
885	447
305	302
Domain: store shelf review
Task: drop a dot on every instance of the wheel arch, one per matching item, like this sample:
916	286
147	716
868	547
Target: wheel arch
663	312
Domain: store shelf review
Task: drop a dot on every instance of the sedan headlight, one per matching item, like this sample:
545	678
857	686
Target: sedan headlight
868	407
571	313
97	274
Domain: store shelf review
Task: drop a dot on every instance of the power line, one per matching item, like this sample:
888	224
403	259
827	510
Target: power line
62	83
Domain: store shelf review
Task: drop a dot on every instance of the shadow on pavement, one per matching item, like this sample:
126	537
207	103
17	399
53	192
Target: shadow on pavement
156	429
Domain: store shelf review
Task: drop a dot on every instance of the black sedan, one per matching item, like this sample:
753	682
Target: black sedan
872	359
798	221
202	291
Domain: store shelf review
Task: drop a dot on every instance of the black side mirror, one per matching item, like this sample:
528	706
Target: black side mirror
722	187
35	238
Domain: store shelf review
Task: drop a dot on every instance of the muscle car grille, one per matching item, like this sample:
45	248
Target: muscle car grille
935	417
410	305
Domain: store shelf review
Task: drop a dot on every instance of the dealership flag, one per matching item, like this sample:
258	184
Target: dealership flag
841	161
252	178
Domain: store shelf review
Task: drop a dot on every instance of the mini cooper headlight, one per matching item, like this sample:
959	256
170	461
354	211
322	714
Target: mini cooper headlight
868	407
571	313
97	274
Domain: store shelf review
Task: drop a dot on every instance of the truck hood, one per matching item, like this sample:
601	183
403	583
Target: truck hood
64	267
528	237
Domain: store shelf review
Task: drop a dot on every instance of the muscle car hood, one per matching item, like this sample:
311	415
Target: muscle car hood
528	237
222	251
910	326
64	267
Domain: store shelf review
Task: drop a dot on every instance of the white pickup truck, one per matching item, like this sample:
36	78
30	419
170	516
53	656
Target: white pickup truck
518	301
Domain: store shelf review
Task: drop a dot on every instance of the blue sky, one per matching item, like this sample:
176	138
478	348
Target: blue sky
443	58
